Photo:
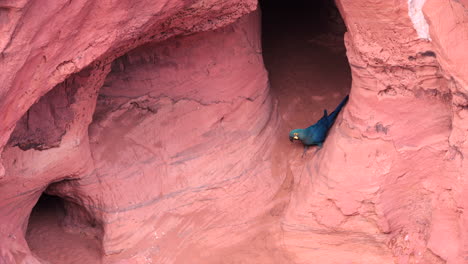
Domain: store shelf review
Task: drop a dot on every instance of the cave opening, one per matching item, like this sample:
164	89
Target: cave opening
59	229
304	53
57	232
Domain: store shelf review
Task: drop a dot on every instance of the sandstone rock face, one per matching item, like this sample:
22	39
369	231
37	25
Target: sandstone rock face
190	126
43	44
392	173
54	149
154	123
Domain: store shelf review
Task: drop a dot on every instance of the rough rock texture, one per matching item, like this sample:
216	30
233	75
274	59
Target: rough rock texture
42	44
36	60
169	148
391	176
179	137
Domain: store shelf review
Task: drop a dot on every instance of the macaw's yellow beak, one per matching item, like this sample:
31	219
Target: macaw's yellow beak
296	138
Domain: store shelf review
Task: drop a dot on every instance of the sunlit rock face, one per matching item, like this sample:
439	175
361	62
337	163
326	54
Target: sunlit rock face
153	127
42	44
165	141
185	148
390	184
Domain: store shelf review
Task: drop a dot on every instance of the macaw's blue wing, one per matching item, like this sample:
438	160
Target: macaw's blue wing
316	134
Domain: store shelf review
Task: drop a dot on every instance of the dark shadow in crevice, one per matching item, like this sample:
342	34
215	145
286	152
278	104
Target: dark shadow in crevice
44	124
49	204
46	121
303	48
302	31
303	17
63	231
305	55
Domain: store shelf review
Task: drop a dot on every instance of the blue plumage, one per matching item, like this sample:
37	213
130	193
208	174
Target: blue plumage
316	133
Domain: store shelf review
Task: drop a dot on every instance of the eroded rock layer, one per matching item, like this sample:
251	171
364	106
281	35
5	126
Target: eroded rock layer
159	144
174	130
391	176
188	138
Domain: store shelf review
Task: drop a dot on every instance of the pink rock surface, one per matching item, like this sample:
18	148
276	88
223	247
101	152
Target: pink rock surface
170	148
389	175
44	43
175	141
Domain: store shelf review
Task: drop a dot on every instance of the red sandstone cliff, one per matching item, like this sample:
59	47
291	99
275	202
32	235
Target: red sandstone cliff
155	123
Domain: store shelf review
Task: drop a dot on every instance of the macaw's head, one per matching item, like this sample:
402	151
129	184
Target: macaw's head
296	134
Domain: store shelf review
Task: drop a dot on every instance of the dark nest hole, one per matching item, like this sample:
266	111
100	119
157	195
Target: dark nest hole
302	41
49	205
308	18
303	24
60	230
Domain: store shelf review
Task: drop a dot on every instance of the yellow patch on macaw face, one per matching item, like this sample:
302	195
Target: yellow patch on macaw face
295	136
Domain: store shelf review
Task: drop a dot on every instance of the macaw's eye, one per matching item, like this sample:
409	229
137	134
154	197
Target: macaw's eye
295	134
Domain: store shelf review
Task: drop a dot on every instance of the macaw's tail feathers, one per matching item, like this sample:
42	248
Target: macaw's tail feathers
332	116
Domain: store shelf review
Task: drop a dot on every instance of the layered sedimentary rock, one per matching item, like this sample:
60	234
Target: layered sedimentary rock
169	149
123	184
390	184
184	149
44	43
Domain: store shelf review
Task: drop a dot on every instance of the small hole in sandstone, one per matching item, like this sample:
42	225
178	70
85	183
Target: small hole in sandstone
55	229
428	53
